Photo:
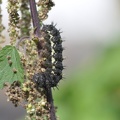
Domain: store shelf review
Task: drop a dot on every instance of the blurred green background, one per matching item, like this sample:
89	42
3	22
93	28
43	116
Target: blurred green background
93	93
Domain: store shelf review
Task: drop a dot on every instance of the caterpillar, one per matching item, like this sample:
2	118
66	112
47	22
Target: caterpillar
53	59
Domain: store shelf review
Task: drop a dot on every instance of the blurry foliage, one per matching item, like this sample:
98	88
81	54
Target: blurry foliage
93	94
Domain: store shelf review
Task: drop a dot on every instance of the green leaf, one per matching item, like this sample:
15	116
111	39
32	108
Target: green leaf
10	66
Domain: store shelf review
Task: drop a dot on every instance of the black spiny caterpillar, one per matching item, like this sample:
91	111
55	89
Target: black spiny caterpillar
53	60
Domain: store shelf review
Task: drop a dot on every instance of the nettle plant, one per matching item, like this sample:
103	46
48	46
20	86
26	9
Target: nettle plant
32	64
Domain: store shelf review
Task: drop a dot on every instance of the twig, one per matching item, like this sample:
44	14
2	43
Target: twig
50	101
35	19
36	22
36	25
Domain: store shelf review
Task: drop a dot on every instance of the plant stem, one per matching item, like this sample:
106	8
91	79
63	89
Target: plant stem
36	25
35	19
50	101
36	22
